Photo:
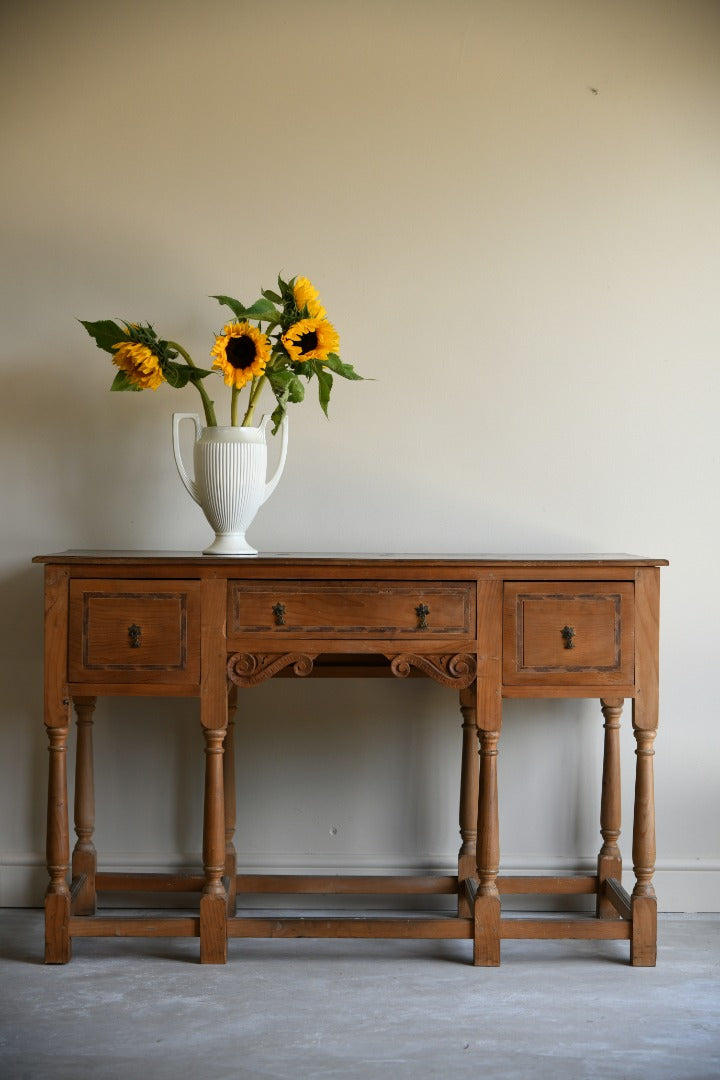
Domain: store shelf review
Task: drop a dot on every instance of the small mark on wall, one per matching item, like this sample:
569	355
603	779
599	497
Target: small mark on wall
593	90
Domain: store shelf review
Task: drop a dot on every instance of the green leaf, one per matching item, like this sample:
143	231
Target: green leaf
281	389
347	371
270	295
196	374
262	309
278	416
296	390
279	378
106	333
122	382
179	375
287	385
325	381
235	306
176	375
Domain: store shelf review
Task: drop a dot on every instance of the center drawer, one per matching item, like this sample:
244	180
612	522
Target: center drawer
352	608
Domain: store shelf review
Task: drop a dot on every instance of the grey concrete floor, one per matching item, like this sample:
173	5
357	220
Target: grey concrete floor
359	1009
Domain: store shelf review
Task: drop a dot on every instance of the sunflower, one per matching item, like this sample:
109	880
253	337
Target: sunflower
311	339
241	352
307	296
139	363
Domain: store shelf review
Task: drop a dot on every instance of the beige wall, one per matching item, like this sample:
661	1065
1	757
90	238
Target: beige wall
511	209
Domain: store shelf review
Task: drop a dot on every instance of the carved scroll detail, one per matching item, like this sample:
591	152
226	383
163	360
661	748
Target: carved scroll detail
456	671
250	669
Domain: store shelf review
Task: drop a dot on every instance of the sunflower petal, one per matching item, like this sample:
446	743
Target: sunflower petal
139	363
310	339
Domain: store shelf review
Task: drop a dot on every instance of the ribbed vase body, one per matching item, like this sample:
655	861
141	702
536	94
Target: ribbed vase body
230	467
230	484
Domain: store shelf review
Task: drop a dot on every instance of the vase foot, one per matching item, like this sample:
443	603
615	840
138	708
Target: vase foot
229	544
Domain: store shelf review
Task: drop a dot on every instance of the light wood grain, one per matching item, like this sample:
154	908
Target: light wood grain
610	858
403	928
165	646
84	856
336	608
469	780
157	624
349	885
647	594
487	902
618	898
230	872
600	617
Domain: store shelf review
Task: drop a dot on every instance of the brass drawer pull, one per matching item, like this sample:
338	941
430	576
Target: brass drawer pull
279	613
568	633
422	611
134	633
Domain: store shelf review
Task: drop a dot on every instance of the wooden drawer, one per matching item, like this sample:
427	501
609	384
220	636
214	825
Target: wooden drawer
375	609
568	633
134	631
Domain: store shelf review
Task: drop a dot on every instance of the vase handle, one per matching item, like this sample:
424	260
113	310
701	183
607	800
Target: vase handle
273	482
177	417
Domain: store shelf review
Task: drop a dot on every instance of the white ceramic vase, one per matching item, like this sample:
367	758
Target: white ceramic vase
230	485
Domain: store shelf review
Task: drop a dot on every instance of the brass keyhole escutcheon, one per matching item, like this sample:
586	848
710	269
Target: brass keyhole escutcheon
568	633
422	611
134	633
279	613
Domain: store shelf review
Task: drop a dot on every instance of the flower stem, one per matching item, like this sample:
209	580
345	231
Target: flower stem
235	395
208	405
255	392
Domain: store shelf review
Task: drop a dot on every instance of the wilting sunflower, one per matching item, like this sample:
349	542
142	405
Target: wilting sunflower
241	352
139	363
311	339
307	296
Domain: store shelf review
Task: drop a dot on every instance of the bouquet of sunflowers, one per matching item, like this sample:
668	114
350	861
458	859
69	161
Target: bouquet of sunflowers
282	338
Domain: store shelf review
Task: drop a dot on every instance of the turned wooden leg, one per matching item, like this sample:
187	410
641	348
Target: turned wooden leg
643	943
84	857
213	903
57	897
213	717
609	863
230	803
467	856
487	902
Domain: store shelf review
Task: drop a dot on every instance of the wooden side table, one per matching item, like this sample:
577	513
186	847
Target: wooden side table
173	624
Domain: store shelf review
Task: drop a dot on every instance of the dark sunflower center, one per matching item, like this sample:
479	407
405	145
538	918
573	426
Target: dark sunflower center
241	352
308	342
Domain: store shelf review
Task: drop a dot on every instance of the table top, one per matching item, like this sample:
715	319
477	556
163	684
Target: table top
110	557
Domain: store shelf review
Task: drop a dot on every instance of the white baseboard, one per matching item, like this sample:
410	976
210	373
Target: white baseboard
682	885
